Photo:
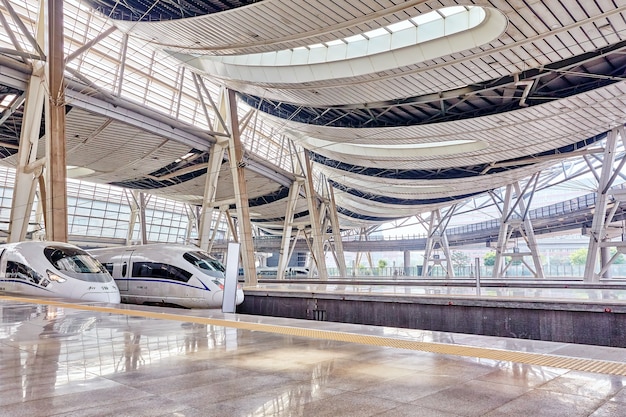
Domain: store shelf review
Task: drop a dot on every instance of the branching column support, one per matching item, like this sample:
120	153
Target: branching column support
285	252
237	168
599	239
340	258
134	214
143	202
317	234
29	169
515	218
363	236
216	158
193	222
528	232
137	202
437	238
213	171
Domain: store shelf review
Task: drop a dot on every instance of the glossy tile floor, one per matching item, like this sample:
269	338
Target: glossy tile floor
96	360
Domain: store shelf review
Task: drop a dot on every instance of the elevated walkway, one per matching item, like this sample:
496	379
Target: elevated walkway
557	218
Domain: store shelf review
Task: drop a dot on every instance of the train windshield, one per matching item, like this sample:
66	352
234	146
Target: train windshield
76	263
204	261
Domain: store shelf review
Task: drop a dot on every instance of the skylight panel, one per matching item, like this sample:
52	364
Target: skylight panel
426	18
355	38
396	27
375	33
430	28
335	42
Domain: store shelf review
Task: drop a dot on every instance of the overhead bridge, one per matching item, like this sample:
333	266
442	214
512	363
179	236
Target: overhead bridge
557	218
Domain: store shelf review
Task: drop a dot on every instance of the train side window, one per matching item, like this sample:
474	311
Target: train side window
160	270
124	268
18	270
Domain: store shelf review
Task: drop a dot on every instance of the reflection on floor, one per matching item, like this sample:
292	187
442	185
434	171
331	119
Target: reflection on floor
75	360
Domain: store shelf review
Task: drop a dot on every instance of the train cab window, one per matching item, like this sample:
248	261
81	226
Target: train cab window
109	267
160	270
17	270
77	263
204	261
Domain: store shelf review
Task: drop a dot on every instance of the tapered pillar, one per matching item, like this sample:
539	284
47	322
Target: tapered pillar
599	238
206	214
237	168
285	249
56	204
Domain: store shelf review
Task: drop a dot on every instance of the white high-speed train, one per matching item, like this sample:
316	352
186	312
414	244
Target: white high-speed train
166	274
54	269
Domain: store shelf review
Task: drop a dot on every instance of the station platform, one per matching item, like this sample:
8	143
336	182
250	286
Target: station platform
60	358
570	312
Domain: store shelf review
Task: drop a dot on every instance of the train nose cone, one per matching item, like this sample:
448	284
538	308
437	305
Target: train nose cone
218	297
114	297
104	297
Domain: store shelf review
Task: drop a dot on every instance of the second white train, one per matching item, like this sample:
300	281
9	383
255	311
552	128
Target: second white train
166	274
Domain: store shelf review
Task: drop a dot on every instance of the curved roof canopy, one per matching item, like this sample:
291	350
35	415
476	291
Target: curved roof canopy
403	106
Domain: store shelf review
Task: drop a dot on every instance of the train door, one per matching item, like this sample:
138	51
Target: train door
125	270
3	268
3	262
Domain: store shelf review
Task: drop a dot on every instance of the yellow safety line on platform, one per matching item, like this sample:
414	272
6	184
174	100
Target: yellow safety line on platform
529	358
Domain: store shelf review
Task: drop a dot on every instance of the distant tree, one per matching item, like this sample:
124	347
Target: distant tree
578	257
489	259
620	258
459	259
382	263
517	261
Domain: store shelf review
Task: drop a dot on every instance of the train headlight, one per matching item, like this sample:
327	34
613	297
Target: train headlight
54	277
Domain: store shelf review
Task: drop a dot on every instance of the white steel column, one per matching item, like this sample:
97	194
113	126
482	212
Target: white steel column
284	252
437	239
237	169
216	158
213	171
56	193
599	237
363	236
137	202
514	217
319	256
337	240
28	169
193	222
143	202
528	233
503	234
134	213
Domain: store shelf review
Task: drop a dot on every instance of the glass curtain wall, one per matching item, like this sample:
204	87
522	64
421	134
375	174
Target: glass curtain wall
97	211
